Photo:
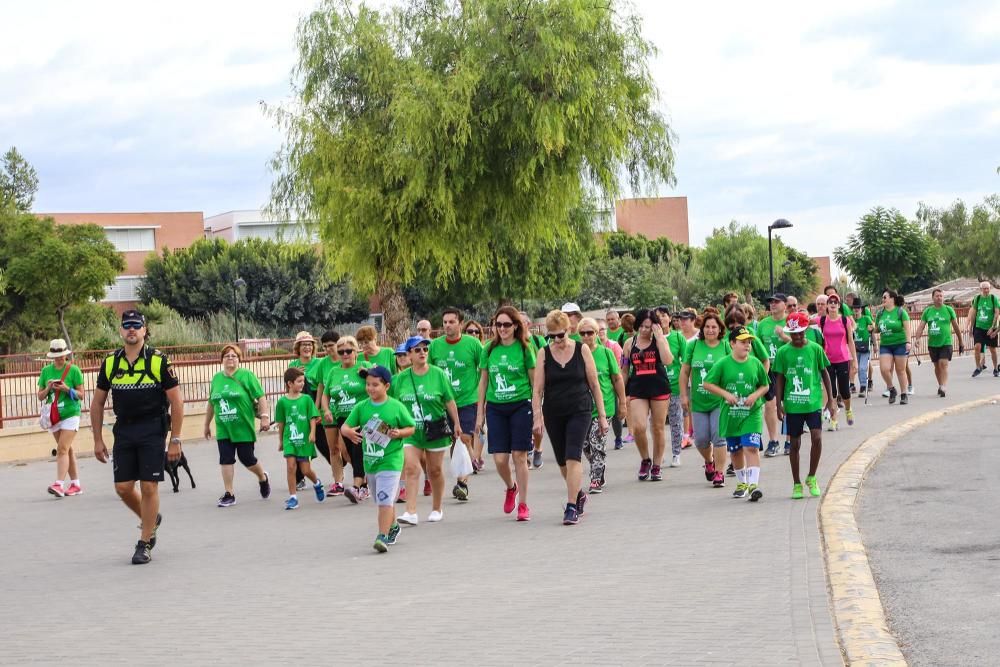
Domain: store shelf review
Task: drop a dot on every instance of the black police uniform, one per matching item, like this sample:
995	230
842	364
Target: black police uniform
138	392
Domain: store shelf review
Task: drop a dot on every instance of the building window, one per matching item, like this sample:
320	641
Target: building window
126	288
288	232
138	239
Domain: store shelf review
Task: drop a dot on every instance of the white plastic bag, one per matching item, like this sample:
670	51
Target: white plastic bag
461	462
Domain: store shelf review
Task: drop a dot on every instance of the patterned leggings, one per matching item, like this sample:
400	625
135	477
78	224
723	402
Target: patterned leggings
675	417
594	450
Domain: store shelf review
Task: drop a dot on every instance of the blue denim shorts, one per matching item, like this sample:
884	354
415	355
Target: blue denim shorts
748	440
893	350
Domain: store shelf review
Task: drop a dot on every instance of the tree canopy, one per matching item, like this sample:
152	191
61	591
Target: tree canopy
18	181
968	238
461	136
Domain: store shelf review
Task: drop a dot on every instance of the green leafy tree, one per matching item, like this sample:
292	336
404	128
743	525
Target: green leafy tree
18	182
736	259
968	239
461	135
612	281
889	251
796	273
56	267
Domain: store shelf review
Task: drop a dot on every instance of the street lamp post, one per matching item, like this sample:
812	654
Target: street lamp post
239	283
780	223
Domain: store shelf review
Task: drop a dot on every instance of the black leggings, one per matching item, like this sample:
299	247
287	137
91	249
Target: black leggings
840	378
568	434
616	423
357	459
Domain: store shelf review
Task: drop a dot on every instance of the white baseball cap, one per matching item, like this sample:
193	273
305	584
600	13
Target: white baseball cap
570	307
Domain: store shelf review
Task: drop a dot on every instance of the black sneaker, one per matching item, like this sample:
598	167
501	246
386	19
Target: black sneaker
853	388
978	371
570	516
581	501
393	533
265	487
996	372
142	555
904	398
536	459
729	471
461	492
152	538
892	395
940	392
227	500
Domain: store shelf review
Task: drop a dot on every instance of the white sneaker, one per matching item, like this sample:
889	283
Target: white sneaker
909	390
408	519
885	394
435	516
676	461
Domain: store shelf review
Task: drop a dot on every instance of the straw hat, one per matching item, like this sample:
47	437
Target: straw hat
58	348
303	337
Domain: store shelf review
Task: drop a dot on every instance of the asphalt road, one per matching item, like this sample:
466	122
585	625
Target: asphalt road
930	517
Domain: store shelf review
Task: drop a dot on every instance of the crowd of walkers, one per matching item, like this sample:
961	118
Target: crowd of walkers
734	387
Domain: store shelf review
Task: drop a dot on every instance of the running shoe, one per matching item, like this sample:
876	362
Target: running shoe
408	519
909	389
832	426
570	516
596	486
996	372
755	493
427	487
730	472
904	399
629	439
393	534
536	459
156	527
142	553
401	496
336	489
619	444
581	502
353	494
381	543
871	384
435	516
709	471
644	467
940	392
510	499
813	485
227	500
788	447
719	480
892	395
461	492
853	388
363	493
320	492
850	417
300	485
686	442
74	490
796	492
523	513
885	394
655	474
292	503
861	394
265	487
826	415
56	489
772	449
675	462
741	490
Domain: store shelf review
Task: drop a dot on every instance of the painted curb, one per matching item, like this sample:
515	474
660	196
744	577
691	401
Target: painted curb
858	616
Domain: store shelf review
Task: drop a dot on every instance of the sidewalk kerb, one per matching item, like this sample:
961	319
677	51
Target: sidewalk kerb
859	618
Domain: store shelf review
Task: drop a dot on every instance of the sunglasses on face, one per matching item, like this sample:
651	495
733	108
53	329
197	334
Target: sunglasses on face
587	333
423	349
346	352
132	326
505	325
556	336
473	332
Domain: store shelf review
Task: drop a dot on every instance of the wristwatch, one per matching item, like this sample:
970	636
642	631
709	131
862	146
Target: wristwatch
175	440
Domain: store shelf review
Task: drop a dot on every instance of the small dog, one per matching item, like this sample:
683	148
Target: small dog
173	469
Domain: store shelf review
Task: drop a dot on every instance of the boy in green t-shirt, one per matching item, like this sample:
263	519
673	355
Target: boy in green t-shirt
380	424
296	416
801	376
741	381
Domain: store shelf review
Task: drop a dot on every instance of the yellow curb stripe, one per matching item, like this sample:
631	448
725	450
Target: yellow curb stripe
858	615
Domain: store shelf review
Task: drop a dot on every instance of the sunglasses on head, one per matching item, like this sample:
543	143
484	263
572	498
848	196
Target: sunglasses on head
344	352
505	325
556	336
134	326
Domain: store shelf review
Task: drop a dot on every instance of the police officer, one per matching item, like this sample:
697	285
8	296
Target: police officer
147	402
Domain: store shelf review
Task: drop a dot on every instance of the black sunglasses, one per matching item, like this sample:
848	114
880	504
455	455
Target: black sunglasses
346	351
473	332
587	333
134	326
557	336
505	325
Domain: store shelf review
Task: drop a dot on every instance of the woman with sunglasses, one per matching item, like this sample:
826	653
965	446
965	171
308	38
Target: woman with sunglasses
330	432
604	333
506	370
427	393
609	377
61	383
894	345
648	389
343	389
474	329
838	337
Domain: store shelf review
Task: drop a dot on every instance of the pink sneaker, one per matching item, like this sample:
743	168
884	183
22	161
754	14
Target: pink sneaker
427	487
74	490
523	513
629	439
719	480
56	489
509	499
336	489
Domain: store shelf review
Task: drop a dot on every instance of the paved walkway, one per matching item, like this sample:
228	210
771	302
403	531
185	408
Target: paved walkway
928	514
672	573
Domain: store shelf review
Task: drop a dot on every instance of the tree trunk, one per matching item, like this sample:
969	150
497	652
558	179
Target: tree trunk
61	312
396	314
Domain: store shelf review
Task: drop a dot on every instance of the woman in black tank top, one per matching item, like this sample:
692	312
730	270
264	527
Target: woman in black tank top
648	390
565	376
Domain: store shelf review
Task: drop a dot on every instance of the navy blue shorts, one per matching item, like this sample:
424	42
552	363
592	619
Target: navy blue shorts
466	419
509	425
795	423
749	440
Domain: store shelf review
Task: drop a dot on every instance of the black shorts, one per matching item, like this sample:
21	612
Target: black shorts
796	422
466	419
228	450
939	353
772	383
138	451
981	338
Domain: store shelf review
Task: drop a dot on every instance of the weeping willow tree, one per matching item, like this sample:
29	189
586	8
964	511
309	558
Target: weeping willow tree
464	135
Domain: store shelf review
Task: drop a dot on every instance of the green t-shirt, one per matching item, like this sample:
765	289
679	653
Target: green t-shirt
619	335
385	357
677	344
803	371
233	400
296	415
768	335
939	324
312	371
345	388
434	390
814	335
890	326
700	358
861	332
607	368
507	377
74	378
391	414
758	350
741	378
324	366
460	362
986	307
577	337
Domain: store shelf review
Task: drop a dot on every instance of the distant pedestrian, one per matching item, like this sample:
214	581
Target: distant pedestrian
424	329
894	345
675	413
984	322
474	329
60	388
615	330
863	326
367	337
941	320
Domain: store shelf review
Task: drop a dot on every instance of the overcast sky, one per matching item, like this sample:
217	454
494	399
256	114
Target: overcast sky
813	112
